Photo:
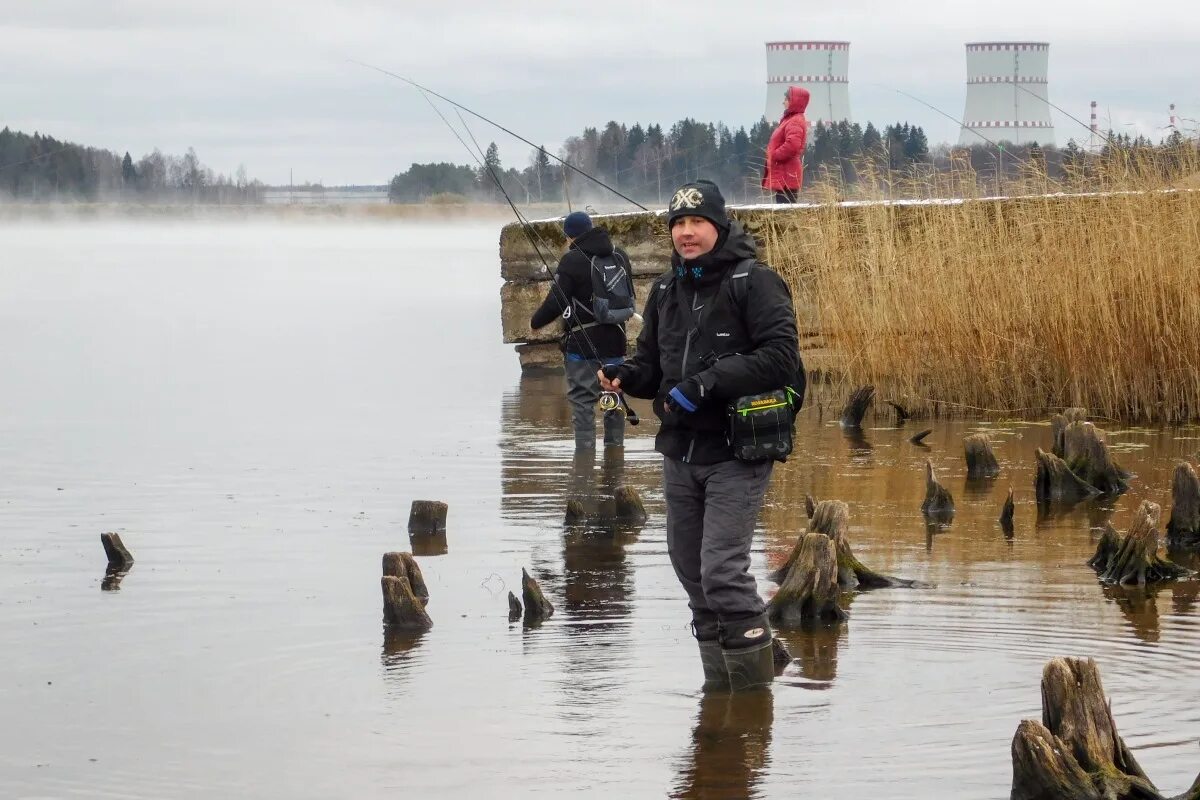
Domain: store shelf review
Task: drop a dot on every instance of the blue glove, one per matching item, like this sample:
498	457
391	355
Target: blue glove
680	398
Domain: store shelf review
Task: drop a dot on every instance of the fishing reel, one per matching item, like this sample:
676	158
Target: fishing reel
615	401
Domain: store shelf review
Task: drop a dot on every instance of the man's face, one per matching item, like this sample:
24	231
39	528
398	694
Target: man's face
693	236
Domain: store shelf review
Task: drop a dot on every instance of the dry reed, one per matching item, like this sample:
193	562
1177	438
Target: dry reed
1043	300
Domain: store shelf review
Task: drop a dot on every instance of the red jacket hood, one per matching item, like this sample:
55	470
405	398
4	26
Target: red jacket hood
797	99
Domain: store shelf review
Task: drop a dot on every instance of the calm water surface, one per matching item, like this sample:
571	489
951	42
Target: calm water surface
254	408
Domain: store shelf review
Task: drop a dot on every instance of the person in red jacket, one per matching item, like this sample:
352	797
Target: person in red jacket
784	174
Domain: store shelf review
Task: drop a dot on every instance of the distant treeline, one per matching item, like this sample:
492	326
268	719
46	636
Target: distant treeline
647	163
42	169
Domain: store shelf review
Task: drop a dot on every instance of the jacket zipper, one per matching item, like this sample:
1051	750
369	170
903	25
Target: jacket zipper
687	346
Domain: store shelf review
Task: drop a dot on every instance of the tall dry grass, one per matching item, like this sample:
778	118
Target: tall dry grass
1016	305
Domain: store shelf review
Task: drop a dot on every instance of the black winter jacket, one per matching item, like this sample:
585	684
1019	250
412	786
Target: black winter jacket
574	276
689	320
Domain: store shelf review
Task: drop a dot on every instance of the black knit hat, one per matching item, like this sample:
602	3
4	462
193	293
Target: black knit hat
699	199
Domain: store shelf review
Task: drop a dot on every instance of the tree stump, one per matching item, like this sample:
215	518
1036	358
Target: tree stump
427	516
919	438
403	565
514	608
1135	559
537	607
780	656
576	513
119	558
981	461
902	413
401	607
1056	483
810	590
1006	514
1058	428
1184	528
1088	457
939	504
1075	752
856	407
810	505
832	518
629	508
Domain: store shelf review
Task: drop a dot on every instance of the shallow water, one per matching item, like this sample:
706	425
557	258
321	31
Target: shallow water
254	408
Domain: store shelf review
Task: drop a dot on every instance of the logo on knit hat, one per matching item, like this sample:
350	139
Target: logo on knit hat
687	197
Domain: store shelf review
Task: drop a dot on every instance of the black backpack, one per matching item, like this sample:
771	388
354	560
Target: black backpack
612	291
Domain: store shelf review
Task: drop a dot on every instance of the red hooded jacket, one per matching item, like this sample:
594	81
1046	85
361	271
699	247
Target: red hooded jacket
786	148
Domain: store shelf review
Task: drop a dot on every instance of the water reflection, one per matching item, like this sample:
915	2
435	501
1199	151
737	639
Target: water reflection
1139	606
429	544
399	648
730	750
814	648
112	578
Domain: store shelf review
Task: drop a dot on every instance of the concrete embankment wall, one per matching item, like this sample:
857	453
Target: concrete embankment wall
644	236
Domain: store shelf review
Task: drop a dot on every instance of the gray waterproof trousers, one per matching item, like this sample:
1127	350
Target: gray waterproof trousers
583	391
711	512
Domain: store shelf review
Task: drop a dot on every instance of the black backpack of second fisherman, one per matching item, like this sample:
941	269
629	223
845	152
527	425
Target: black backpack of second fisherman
612	290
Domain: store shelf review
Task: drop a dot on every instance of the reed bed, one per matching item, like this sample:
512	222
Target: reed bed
1082	291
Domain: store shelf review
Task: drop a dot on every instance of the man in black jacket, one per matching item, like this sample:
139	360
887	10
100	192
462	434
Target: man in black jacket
702	345
587	344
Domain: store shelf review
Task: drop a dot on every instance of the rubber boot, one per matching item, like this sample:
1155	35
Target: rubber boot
716	676
750	667
746	646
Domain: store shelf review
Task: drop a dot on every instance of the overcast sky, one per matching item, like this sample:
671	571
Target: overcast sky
268	84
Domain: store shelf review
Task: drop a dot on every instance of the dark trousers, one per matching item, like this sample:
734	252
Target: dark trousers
786	196
583	390
711	512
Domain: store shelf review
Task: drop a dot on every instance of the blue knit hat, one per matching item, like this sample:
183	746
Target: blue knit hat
576	224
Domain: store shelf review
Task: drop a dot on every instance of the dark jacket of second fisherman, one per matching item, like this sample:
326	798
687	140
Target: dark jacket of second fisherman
574	277
695	327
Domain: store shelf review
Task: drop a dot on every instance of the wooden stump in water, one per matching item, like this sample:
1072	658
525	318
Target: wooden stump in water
629	508
1135	559
576	513
810	505
119	558
919	438
1184	528
1006	514
856	407
1055	483
902	413
1075	752
1088	457
780	656
427	516
537	607
981	461
514	608
832	518
403	565
1058	428
810	590
939	504
401	607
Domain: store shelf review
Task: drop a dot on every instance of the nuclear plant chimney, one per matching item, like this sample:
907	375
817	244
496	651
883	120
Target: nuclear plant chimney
1007	94
821	67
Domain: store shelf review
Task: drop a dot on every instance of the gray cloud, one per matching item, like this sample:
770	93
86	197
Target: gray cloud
267	83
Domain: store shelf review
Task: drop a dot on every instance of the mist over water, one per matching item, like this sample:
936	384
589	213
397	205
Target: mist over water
253	408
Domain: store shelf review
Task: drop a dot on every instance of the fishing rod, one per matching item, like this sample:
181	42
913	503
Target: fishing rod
1064	112
493	123
606	403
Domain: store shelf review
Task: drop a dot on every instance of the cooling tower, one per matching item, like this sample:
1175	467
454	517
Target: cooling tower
1007	90
821	67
